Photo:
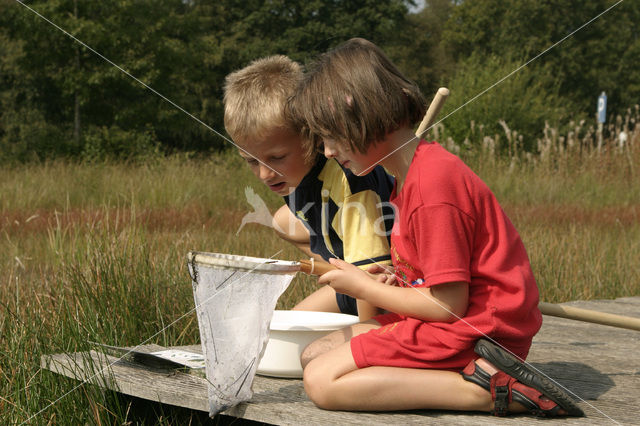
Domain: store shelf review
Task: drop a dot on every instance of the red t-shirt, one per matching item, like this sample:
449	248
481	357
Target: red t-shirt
449	227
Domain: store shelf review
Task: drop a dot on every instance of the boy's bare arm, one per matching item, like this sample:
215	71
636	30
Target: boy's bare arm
291	229
444	302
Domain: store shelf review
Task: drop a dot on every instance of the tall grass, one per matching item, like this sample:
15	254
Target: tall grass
98	252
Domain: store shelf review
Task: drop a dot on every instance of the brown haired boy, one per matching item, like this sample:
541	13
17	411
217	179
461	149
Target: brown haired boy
464	309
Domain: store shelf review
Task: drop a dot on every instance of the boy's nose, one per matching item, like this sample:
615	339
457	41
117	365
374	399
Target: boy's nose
329	152
265	173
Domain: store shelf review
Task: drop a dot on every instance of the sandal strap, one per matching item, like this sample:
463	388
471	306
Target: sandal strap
539	394
500	386
534	401
505	389
474	374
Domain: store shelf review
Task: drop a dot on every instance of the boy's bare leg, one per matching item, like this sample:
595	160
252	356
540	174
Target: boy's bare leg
366	310
333	382
334	340
322	300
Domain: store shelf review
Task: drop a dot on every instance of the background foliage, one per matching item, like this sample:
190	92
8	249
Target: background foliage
59	99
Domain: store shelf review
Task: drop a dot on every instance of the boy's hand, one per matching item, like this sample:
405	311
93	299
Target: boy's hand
383	273
347	279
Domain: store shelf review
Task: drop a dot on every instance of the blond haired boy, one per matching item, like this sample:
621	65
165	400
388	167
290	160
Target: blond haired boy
329	212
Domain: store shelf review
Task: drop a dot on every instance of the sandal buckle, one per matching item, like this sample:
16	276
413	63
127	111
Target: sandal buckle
501	401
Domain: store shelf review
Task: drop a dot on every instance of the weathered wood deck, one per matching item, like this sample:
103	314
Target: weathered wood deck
599	364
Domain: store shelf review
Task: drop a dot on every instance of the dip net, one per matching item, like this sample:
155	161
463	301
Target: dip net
235	297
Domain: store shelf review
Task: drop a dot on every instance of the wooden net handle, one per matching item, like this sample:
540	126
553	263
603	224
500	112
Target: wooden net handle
433	111
315	267
588	315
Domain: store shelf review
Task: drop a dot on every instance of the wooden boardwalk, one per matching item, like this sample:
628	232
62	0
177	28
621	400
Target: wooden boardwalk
599	364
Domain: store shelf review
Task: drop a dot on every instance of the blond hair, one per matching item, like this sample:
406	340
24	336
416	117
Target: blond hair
255	97
355	95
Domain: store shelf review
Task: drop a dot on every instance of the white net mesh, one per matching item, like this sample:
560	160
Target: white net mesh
235	297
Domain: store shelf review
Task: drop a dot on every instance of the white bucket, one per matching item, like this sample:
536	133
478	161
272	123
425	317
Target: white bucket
290	332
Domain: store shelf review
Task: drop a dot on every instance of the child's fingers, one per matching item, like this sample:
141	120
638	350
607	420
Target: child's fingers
327	277
380	277
380	269
375	269
339	263
391	280
388	279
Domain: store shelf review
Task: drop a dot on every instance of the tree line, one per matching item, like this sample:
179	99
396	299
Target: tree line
64	97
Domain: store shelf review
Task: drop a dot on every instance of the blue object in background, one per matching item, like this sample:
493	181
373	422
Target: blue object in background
602	108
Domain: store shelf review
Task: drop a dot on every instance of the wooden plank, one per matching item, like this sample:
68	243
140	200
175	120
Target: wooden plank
167	387
599	364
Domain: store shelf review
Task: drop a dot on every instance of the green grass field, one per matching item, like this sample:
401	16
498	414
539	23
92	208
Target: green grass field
98	253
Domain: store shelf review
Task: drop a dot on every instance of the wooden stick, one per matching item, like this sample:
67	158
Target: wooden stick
315	267
588	315
432	112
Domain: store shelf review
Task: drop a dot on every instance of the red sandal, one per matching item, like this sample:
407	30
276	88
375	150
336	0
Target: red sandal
520	383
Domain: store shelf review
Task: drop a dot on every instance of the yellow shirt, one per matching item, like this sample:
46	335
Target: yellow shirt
348	216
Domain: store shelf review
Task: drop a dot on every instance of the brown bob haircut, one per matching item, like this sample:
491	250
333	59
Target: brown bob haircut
354	95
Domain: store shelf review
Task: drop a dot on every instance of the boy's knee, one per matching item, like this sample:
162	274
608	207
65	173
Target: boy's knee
307	355
315	382
315	349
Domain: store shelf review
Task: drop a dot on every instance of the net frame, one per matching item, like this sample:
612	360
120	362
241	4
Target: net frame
244	263
234	313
